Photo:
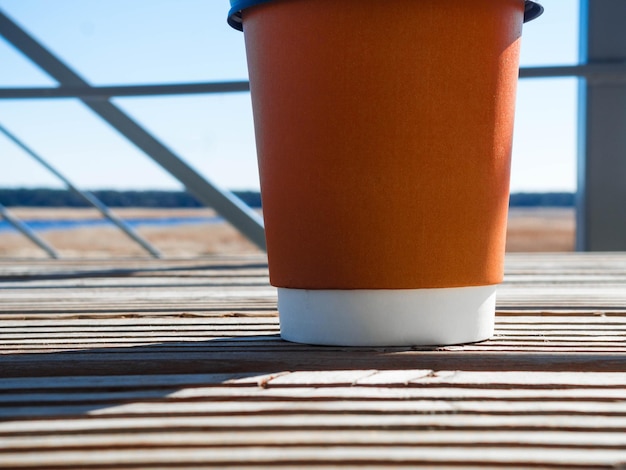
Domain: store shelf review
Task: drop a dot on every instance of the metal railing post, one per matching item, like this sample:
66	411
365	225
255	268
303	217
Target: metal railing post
601	208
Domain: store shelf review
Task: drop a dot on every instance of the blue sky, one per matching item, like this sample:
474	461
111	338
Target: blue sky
118	42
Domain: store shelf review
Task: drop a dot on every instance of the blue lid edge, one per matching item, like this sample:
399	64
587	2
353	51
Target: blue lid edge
236	7
532	10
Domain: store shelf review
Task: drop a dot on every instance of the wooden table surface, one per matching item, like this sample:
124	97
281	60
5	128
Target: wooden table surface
178	364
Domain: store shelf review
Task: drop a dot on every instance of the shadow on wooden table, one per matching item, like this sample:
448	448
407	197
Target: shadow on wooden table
270	354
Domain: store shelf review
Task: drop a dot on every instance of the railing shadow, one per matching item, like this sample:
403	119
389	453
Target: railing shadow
270	354
79	382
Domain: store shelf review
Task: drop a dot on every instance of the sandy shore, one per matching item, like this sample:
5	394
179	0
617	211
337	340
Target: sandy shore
541	229
530	229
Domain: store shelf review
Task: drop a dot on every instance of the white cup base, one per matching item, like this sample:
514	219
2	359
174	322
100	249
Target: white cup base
387	317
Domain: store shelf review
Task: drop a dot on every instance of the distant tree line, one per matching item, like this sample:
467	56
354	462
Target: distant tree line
542	200
45	197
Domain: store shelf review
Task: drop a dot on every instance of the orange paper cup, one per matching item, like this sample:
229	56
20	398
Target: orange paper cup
384	133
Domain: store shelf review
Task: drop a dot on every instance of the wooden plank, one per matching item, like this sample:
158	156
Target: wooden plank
122	323
142	360
372	392
110	338
129	360
365	378
319	421
173	408
443	438
614	327
553	319
459	377
177	352
329	455
132	381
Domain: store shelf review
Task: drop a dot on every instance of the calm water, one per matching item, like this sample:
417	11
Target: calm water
68	224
